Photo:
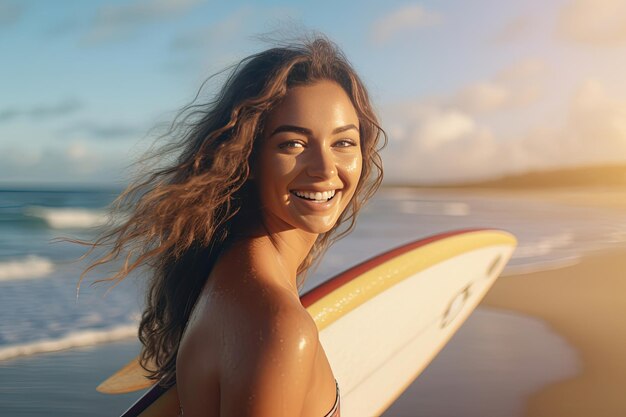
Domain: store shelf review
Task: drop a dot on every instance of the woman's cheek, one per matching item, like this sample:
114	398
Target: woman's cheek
353	168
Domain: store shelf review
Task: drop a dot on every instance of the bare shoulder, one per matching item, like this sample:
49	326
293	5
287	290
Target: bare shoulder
269	319
268	356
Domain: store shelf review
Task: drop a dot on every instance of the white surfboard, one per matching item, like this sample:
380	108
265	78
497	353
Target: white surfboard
383	321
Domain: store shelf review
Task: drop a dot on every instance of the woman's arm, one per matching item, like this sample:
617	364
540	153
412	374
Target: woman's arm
268	363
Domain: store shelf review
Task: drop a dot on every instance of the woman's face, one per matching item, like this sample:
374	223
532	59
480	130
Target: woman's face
309	162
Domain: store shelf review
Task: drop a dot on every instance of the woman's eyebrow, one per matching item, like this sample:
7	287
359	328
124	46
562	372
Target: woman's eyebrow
293	129
308	132
346	127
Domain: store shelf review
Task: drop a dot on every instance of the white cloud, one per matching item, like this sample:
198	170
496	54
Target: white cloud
483	97
518	85
402	20
593	132
449	139
596	127
593	21
434	142
444	126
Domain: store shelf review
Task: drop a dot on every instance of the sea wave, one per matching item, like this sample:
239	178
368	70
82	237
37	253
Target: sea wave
545	245
71	340
545	265
31	266
68	217
434	208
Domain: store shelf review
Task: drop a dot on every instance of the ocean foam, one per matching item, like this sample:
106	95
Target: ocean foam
29	267
547	265
434	208
545	245
68	218
71	340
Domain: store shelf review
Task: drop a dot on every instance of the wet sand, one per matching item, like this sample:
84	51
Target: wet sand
586	305
62	384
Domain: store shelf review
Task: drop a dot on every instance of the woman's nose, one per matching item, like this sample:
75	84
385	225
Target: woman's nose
321	164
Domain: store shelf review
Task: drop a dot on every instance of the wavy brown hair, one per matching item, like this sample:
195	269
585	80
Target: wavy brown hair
179	215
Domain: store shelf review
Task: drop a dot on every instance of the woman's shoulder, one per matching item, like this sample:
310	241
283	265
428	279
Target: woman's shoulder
250	312
263	306
240	321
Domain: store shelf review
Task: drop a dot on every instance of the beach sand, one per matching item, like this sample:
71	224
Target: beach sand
586	305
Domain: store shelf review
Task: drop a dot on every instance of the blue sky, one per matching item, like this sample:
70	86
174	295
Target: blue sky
466	90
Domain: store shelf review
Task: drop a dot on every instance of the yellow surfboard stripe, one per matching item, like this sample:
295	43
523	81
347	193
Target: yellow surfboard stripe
367	286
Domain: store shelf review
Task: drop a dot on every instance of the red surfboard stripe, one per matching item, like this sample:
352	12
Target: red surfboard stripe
337	281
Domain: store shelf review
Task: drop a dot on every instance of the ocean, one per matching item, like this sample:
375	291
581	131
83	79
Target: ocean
41	311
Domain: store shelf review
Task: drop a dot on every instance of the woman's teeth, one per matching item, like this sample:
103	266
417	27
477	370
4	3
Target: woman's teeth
316	196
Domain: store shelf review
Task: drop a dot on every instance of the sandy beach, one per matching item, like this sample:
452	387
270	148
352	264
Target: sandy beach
586	305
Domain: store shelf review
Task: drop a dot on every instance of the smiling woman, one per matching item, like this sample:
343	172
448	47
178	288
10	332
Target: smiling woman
263	178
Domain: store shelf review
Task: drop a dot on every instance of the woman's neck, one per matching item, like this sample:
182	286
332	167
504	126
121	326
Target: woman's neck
276	256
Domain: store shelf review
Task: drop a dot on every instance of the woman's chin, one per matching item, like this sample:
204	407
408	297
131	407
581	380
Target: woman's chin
318	228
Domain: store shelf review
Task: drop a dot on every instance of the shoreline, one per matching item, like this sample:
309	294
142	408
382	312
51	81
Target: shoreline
586	305
609	197
63	383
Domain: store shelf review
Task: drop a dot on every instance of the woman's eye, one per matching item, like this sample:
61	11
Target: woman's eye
344	143
292	144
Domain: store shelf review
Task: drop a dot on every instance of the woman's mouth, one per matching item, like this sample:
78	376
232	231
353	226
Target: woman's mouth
314	196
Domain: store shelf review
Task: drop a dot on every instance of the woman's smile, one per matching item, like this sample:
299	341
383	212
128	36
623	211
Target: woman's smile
315	195
315	200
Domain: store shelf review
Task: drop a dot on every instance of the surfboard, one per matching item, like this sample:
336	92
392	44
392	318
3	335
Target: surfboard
382	321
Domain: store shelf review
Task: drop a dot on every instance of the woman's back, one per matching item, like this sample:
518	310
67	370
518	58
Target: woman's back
251	349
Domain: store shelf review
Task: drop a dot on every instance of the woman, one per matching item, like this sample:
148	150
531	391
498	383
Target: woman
263	179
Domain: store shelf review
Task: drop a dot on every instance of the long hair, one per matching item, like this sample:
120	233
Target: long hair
180	214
